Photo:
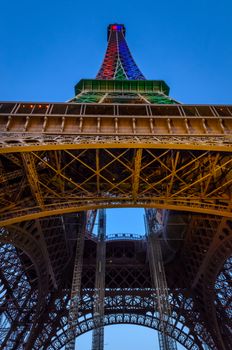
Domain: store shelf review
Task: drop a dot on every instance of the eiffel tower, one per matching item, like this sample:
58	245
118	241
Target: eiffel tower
121	141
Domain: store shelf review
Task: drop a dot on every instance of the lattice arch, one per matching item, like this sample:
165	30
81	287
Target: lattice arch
188	332
134	319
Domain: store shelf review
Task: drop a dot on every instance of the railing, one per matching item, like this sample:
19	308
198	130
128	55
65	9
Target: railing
103	119
95	109
125	236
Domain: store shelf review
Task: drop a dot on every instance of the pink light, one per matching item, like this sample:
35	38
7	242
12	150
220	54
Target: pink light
114	27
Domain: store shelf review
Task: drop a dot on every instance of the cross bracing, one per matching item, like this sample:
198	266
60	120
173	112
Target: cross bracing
75	180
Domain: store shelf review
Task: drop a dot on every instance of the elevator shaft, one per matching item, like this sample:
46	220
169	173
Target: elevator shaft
99	290
76	289
159	283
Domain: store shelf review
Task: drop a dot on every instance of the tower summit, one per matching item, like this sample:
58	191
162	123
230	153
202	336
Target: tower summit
119	79
118	63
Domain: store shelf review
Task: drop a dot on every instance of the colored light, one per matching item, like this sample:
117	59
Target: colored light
108	69
115	27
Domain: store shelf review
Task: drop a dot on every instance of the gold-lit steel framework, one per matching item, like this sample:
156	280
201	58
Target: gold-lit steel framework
51	171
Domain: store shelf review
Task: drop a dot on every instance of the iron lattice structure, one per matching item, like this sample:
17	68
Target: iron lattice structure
118	62
121	141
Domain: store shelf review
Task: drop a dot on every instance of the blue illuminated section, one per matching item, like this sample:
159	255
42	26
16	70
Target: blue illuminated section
129	65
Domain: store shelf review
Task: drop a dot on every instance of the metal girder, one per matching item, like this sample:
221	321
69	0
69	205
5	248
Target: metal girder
90	222
76	289
46	254
10	176
99	290
136	174
159	282
73	142
33	179
12	158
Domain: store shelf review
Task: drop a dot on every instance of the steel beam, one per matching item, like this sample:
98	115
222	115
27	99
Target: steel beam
159	282
76	289
33	179
99	291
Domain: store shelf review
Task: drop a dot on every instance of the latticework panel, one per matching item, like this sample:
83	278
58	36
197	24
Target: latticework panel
207	245
223	288
23	283
223	291
74	180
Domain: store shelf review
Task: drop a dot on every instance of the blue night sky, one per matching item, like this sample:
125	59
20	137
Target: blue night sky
48	46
